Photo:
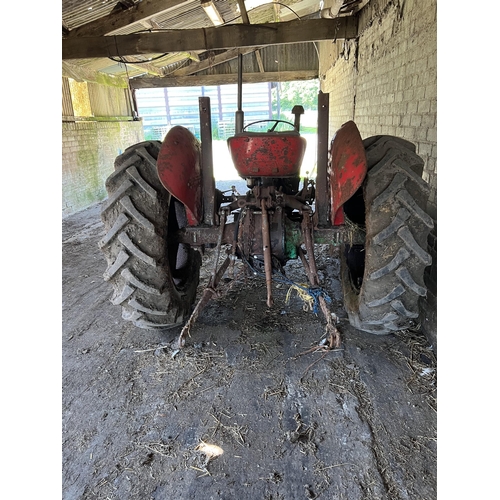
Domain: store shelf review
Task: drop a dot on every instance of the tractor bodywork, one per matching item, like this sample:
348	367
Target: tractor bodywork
367	197
277	218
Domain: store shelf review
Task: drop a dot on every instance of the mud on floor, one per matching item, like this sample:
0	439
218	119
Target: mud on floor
248	409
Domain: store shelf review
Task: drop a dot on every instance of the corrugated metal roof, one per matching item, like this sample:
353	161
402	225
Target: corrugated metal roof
179	15
79	12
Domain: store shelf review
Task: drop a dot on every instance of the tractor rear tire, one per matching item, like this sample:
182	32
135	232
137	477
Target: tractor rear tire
383	280
154	279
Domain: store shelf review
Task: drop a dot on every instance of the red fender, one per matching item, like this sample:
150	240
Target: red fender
179	170
347	168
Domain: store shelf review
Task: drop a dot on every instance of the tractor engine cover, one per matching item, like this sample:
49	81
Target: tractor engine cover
272	154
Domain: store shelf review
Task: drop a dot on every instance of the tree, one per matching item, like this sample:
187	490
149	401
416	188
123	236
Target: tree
285	95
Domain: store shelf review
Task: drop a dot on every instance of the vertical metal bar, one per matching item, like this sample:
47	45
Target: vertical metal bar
208	181
239	116
266	240
322	181
240	82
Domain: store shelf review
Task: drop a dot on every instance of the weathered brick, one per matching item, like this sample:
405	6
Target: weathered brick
431	164
411	107
405	121
424	149
428	120
415	120
89	151
419	93
409	133
420	134
395	82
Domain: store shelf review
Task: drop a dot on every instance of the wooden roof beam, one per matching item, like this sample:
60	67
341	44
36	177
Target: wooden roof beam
172	58
212	12
225	79
243	12
229	55
222	37
246	20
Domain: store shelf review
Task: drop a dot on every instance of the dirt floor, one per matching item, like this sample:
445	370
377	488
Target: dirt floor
247	409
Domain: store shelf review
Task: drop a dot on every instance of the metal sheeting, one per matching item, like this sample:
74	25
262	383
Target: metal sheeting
67	104
76	12
190	15
109	101
275	58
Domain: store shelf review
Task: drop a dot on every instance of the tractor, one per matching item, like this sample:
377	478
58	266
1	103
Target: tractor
368	197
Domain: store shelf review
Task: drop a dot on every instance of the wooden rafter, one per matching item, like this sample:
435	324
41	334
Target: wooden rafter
229	55
167	60
212	12
243	12
260	64
195	80
246	20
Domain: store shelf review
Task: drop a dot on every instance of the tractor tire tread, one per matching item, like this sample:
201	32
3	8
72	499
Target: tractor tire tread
395	250
135	216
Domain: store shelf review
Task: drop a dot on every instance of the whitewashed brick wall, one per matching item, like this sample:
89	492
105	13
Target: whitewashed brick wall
386	81
89	149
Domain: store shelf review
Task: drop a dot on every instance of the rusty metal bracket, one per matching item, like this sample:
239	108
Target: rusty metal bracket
208	293
211	289
266	241
219	244
208	180
332	334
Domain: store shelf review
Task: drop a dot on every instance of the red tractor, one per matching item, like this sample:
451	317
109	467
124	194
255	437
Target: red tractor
163	210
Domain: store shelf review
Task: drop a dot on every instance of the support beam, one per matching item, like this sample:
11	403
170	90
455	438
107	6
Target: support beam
322	177
259	61
277	12
207	161
222	37
147	67
246	20
192	81
212	12
229	55
243	12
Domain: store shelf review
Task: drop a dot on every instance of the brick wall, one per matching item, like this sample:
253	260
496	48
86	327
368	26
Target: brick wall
89	149
386	81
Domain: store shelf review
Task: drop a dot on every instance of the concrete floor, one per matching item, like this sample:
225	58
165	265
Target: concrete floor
291	423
